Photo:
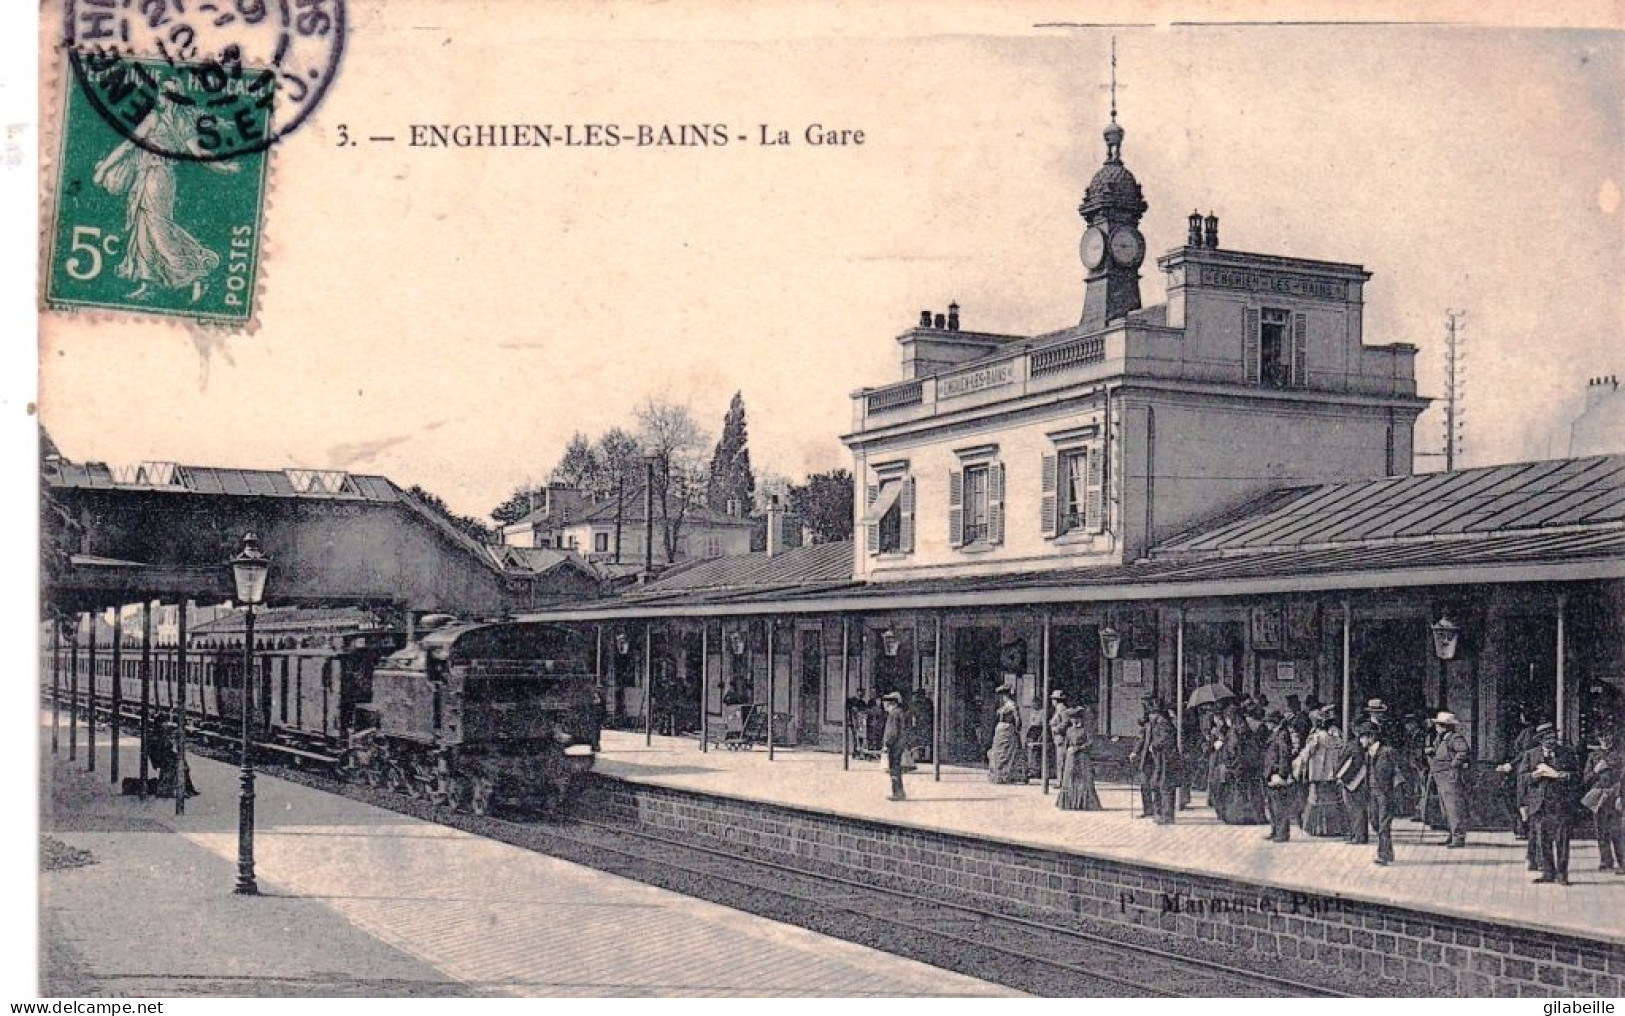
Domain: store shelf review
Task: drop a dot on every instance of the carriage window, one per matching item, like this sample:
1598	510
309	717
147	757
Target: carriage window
282	692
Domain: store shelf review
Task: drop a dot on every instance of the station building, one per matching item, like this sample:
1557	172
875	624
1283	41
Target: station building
1216	490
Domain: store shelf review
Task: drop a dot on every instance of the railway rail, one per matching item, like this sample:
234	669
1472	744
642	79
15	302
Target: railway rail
1029	955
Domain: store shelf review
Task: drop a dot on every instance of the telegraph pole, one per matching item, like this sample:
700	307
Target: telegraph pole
1454	385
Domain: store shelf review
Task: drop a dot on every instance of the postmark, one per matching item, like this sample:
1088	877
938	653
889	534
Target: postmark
245	57
138	230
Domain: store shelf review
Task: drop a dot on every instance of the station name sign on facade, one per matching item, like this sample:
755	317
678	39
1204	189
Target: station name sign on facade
1274	282
974	381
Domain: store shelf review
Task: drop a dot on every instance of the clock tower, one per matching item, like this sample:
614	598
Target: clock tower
1112	247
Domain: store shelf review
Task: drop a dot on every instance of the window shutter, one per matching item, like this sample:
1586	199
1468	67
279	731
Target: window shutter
1094	504
871	529
956	507
905	508
1300	350
995	502
1249	345
1047	498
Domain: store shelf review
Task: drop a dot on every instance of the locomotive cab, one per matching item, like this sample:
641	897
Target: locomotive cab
477	714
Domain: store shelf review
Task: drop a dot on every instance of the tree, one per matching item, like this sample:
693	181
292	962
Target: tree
467	524
579	463
824	504
670	436
731	484
619	459
516	507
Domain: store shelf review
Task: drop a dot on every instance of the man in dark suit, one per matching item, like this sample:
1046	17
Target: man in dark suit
1279	788
1520	745
1353	775
1164	769
1602	781
1385	785
893	742
1547	778
1141	758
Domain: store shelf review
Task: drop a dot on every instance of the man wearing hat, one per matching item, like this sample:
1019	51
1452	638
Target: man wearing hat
1164	768
1278	783
1059	720
1548	776
1141	757
1376	712
892	742
1526	739
1447	767
1603	767
1385	784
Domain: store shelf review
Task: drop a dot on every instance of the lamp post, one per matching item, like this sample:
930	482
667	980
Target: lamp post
248	569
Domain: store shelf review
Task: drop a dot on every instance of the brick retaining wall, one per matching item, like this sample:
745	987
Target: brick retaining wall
1356	947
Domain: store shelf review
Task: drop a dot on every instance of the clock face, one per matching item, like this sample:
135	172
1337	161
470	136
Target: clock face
1128	248
1093	248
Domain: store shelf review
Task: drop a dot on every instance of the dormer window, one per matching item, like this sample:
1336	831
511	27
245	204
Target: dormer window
1275	357
1275	348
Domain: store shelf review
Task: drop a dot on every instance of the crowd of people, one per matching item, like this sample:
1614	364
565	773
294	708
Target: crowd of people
1298	767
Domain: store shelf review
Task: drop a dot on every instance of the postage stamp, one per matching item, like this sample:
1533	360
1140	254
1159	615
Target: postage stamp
167	119
149	220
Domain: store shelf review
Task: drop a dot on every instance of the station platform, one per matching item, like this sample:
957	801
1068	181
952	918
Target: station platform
1485	886
1486	881
358	901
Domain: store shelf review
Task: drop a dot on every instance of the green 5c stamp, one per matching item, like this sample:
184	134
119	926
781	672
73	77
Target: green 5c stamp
151	215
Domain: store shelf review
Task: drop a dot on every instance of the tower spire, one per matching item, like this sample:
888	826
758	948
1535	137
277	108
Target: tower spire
1114	79
1114	133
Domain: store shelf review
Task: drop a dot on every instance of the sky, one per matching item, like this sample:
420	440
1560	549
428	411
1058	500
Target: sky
450	317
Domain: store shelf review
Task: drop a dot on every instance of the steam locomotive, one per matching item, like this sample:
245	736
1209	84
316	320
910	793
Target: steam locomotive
480	716
474	715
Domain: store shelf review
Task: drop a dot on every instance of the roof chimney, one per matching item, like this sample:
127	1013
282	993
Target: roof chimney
925	319
1212	224
1599	388
1194	237
953	317
940	323
775	526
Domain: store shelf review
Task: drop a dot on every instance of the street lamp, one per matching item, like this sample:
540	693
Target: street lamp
1446	637
248	568
889	642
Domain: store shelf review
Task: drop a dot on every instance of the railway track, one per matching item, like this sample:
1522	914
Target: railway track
1031	956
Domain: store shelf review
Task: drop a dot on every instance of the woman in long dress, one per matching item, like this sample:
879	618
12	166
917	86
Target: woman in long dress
157	250
1077	769
1316	766
1007	759
1242	758
1218	774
